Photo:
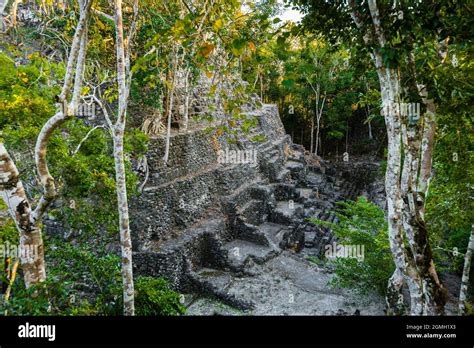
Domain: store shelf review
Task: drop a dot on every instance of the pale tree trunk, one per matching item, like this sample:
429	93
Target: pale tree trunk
170	105
14	13
347	136
124	223
370	131
13	194
186	98
123	67
405	196
318	114
319	111
369	123
465	273
367	113
312	134
405	199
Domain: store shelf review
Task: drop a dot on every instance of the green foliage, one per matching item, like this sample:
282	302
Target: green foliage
51	297
27	94
361	223
153	296
84	281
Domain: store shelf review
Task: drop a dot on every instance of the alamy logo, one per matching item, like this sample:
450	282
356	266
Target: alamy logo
37	331
237	156
27	253
411	110
331	251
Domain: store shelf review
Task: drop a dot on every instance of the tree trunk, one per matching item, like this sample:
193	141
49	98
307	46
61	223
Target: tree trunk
370	130
171	103
312	135
369	123
465	273
406	206
186	99
394	296
168	127
31	241
405	197
13	12
124	225
319	113
118	134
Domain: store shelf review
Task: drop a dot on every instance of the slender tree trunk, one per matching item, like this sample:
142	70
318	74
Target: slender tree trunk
319	113
316	111
118	134
370	130
124	225
312	135
171	104
14	12
186	98
321	153
465	273
168	127
369	123
347	136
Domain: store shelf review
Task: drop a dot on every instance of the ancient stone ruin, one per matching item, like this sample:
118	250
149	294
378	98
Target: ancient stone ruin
235	236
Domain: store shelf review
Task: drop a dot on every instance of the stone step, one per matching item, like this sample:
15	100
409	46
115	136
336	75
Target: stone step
294	166
273	153
314	180
216	283
275	159
252	212
273	232
310	239
285	214
283	176
296	156
304	193
240	252
285	191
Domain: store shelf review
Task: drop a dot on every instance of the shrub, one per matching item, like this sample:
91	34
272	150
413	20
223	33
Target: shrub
361	223
82	282
153	296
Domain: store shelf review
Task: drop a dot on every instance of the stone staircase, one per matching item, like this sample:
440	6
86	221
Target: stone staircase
239	233
269	228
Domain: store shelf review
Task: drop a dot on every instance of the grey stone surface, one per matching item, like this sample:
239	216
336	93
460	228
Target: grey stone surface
234	237
289	285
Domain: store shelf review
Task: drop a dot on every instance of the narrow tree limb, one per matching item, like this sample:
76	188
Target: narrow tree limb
76	43
85	139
